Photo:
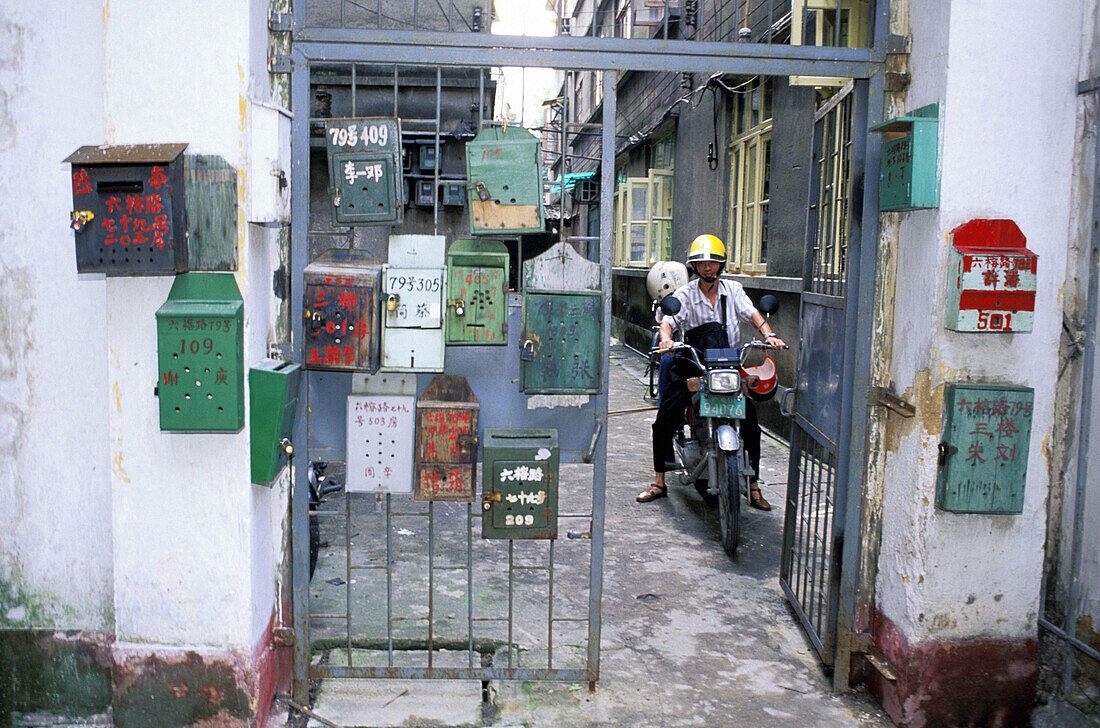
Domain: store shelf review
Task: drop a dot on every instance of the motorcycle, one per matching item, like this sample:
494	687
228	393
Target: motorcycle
320	486
711	455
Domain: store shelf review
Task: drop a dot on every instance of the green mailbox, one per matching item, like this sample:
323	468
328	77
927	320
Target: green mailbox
272	400
477	285
983	454
200	352
504	182
519	484
909	169
364	162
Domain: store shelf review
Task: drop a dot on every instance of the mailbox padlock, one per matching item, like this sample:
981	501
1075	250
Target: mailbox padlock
80	218
491	497
477	289
392	300
460	308
482	191
336	200
527	353
467	447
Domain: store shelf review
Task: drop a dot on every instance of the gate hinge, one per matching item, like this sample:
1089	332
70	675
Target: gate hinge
886	397
280	22
897	45
860	642
280	63
284	637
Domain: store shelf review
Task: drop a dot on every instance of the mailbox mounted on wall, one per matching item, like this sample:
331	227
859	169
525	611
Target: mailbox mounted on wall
909	170
477	283
412	304
341	312
519	484
364	161
129	209
446	440
984	450
200	353
504	182
561	348
991	278
272	400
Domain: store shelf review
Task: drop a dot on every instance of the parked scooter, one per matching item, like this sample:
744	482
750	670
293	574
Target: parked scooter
320	485
711	455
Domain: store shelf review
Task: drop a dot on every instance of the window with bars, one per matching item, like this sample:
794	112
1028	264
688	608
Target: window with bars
832	168
840	23
750	178
643	219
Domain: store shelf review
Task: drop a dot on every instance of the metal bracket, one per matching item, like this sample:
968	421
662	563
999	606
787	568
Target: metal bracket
284	636
897	45
280	22
280	63
860	642
886	397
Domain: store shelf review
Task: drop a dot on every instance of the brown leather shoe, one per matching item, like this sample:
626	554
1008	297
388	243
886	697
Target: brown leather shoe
652	493
756	498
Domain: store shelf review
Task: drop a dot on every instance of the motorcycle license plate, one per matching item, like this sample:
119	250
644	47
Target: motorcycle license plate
726	406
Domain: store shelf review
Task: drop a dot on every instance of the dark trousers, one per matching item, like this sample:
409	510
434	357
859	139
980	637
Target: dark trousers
673	399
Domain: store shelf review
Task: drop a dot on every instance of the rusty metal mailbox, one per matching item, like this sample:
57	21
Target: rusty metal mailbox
991	278
504	182
129	209
519	484
477	283
341	312
562	344
983	454
364	160
446	440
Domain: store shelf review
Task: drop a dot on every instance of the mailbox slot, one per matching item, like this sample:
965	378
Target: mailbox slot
341	312
520	484
413	286
200	353
129	209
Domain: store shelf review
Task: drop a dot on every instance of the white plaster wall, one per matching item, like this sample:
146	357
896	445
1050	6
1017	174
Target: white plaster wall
1004	72
193	561
55	517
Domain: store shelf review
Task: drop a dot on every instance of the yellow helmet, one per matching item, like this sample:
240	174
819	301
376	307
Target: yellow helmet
707	247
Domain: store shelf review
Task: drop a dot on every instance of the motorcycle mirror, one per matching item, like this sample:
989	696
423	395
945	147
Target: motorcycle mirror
768	304
670	305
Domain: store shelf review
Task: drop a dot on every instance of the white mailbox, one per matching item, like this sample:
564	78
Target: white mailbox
413	283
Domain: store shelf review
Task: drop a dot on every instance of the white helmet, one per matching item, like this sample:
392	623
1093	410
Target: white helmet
665	277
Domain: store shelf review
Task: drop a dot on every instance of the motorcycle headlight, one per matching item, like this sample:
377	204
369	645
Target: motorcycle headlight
723	381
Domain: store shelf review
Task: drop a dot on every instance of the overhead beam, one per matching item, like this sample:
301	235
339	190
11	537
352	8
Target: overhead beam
587	53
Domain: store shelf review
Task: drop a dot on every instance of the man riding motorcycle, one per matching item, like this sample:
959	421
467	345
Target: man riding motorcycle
711	309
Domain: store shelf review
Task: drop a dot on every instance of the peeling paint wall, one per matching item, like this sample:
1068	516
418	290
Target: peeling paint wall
55	514
1007	146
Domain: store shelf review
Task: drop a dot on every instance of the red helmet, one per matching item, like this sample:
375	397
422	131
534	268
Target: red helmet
760	380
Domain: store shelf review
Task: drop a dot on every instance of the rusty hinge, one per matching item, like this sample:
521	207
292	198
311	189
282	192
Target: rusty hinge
280	22
860	642
897	45
882	666
284	637
280	63
886	397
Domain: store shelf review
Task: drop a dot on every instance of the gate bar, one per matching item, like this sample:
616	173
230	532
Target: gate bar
582	53
868	105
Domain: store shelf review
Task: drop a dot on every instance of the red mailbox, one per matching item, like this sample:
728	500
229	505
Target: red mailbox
991	278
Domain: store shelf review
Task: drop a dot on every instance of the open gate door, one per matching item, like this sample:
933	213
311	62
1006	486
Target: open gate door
819	566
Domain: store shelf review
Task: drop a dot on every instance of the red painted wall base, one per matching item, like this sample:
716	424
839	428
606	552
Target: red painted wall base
976	682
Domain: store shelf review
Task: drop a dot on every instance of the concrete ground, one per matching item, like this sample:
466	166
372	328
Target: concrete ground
690	636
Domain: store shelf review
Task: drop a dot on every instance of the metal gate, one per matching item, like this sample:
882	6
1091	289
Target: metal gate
408	603
819	564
